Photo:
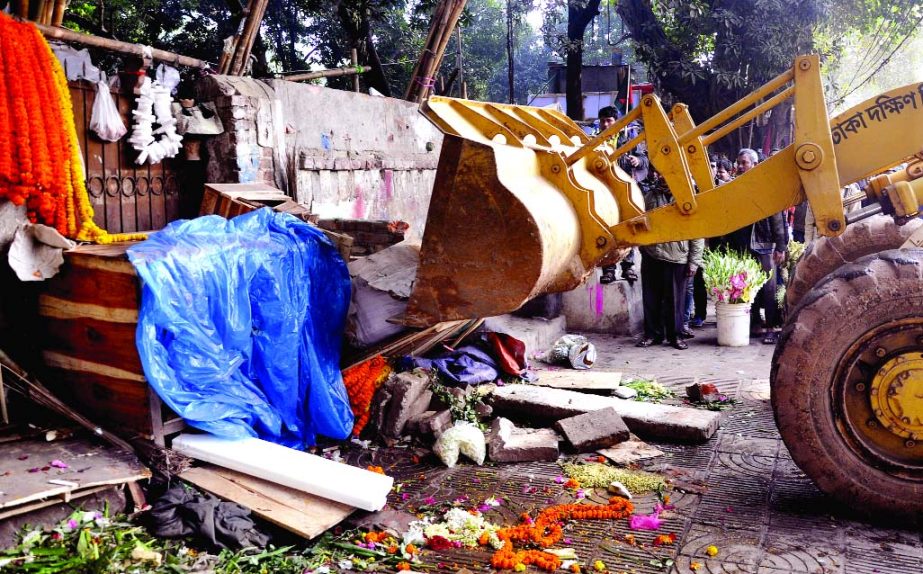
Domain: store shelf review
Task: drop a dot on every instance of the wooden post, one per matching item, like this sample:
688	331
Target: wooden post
354	58
327	73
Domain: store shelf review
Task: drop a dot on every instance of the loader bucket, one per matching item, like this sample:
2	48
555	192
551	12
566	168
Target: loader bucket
504	222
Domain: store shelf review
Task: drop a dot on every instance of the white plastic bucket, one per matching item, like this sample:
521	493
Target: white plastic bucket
733	324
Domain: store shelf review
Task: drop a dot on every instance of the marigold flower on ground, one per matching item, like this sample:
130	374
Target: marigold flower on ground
712	550
695	566
411	549
599	566
403	566
664	539
575	568
375	469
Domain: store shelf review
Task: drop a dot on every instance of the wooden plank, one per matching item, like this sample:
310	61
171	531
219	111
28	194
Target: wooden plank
81	284
56	308
304	514
38	505
61	361
143	197
579	380
88	465
106	399
99	343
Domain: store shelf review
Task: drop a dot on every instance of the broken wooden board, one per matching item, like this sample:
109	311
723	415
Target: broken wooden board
632	450
299	512
89	465
583	380
648	420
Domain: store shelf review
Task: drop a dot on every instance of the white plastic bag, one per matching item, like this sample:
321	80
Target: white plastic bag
464	437
105	119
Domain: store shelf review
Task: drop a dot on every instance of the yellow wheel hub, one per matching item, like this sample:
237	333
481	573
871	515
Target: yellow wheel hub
896	395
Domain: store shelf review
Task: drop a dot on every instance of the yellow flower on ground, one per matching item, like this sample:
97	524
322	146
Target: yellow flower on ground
695	566
599	566
712	550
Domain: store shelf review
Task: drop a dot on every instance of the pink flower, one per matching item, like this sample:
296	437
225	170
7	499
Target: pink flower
405	496
645	522
559	479
58	463
72	524
429	500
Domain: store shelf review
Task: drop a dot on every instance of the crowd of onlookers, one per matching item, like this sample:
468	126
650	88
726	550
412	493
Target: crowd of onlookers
672	282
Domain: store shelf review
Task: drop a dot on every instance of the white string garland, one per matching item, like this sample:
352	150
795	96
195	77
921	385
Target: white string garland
154	106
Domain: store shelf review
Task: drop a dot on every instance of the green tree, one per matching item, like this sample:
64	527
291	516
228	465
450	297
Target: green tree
709	53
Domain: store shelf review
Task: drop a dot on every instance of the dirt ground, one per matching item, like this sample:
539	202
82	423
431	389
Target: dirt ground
753	504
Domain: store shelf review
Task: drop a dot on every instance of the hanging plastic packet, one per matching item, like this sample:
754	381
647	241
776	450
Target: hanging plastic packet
105	119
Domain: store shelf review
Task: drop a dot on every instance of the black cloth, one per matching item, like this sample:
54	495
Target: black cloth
663	292
182	512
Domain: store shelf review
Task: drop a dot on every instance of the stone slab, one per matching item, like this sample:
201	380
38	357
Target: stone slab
538	334
507	443
584	380
632	450
647	420
410	395
593	430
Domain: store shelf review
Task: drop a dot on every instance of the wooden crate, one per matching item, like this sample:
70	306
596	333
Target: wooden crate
90	314
232	199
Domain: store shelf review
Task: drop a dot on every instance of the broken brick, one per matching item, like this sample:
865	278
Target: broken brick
507	443
593	430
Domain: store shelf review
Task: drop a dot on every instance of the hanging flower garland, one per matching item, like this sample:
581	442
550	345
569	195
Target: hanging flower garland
361	382
40	160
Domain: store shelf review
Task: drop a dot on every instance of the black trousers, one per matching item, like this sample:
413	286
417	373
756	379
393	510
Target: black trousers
766	297
700	295
663	292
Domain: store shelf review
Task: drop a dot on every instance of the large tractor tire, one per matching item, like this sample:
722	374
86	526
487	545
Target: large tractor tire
847	384
827	254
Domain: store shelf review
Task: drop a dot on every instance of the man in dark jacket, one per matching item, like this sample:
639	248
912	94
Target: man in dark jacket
767	242
665	269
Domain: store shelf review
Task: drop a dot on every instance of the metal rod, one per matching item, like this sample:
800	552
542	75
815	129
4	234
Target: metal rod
627	146
855	198
735	108
863	213
612	130
118	46
768	104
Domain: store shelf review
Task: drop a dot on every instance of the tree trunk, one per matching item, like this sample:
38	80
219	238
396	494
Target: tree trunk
579	15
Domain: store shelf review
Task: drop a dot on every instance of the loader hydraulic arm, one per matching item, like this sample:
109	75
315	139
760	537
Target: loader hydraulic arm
524	203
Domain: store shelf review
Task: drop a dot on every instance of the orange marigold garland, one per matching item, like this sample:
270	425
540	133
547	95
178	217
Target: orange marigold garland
361	382
40	162
546	530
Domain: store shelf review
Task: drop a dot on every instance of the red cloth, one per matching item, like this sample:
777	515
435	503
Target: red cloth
509	352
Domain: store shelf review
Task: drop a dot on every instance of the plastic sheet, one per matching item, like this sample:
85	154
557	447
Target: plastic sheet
241	323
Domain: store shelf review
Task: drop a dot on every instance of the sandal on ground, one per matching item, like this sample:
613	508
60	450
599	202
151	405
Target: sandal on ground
607	277
771	338
679	345
647	342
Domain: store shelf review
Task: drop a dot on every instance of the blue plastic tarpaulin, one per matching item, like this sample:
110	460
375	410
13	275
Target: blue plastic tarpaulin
241	323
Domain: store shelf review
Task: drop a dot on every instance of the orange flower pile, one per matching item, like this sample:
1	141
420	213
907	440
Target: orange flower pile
361	383
664	539
40	160
546	530
375	469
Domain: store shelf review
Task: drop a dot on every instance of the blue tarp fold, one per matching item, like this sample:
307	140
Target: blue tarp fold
241	323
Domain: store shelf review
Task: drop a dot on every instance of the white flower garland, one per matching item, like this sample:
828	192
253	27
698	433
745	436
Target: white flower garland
154	105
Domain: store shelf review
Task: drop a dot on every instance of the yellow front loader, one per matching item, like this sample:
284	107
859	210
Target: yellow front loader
524	203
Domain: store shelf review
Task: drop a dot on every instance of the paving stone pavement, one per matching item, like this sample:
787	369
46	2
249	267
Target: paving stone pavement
761	512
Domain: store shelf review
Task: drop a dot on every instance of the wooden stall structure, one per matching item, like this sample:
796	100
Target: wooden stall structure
90	314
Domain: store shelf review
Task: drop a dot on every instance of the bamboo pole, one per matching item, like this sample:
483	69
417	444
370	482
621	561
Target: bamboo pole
49	12
227	56
251	30
118	46
331	73
411	87
58	17
24	9
354	58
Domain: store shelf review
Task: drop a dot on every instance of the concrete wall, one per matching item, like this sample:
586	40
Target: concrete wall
358	156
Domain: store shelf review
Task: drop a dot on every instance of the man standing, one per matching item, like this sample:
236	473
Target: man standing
665	269
636	164
767	242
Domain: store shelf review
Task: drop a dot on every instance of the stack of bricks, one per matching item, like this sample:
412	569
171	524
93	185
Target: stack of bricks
368	236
